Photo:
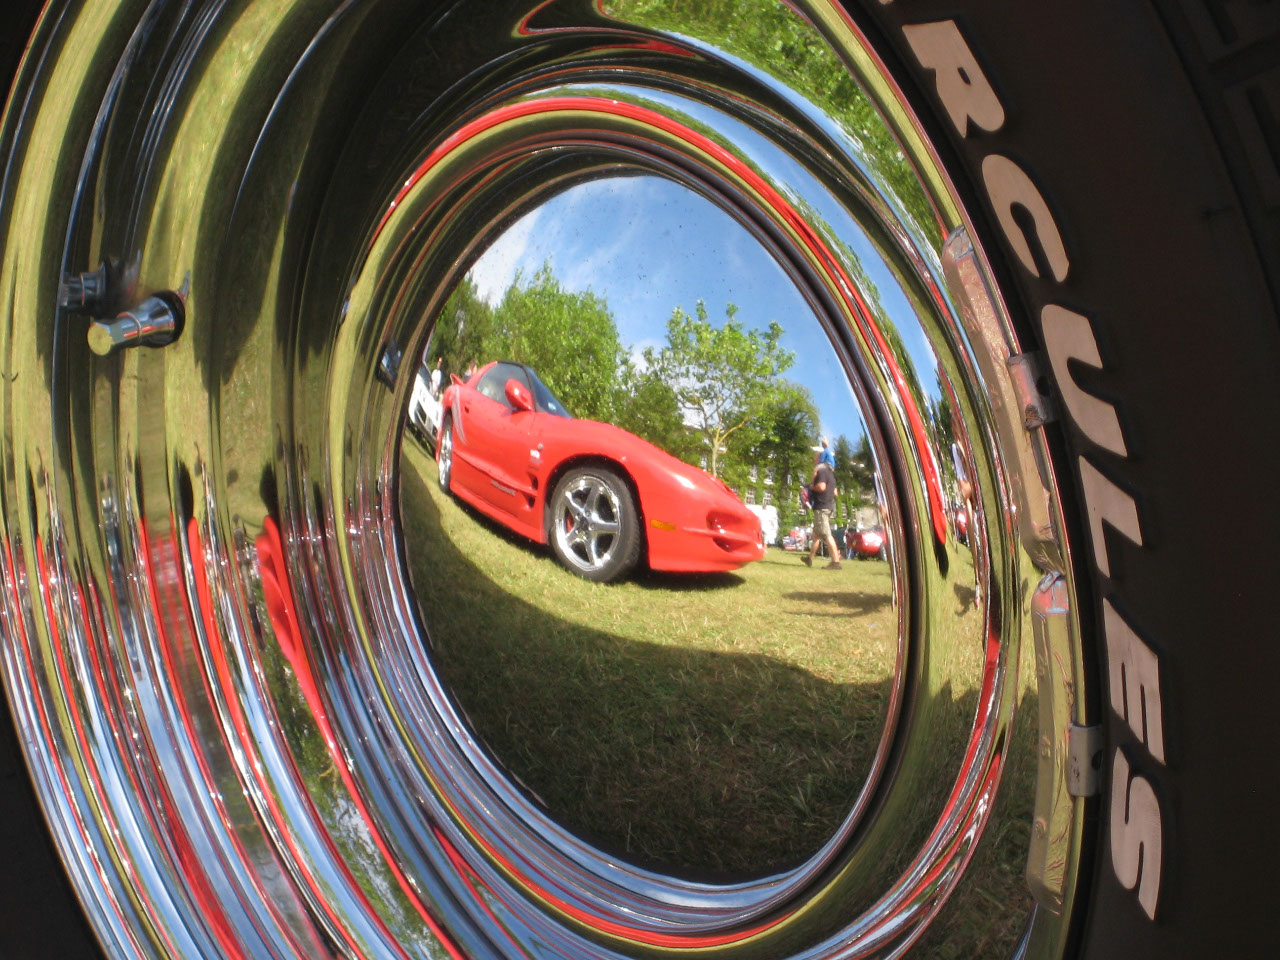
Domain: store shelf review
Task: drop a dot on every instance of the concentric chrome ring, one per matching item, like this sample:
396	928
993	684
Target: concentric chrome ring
213	649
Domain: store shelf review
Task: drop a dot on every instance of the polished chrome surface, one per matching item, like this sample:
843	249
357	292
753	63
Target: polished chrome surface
1027	373
1057	815
765	698
87	292
228	680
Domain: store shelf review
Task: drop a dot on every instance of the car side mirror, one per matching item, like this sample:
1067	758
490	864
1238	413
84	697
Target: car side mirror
518	395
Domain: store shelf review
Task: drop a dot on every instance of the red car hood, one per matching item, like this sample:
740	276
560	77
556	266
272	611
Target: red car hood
639	455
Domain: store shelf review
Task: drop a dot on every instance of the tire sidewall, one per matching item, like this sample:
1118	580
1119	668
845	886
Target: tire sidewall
1101	117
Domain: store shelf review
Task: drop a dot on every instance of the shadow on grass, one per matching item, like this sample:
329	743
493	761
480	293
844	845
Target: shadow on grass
712	763
850	603
965	596
691	582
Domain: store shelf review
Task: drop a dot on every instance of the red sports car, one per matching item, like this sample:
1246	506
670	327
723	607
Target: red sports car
602	497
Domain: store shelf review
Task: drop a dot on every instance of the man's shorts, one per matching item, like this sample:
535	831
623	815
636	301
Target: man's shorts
822	523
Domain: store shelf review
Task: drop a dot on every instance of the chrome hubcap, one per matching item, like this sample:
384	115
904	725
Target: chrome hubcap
229	684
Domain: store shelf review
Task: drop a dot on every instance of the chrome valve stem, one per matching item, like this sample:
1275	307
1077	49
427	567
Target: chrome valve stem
154	322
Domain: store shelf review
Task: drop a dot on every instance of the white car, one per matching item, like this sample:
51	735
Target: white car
768	521
424	409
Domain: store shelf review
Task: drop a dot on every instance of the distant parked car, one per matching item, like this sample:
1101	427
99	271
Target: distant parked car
869	543
796	539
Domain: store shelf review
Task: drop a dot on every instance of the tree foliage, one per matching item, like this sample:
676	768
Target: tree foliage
781	437
461	330
570	338
776	36
723	377
647	406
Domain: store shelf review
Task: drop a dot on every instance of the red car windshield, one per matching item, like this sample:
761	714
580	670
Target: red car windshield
493	384
545	400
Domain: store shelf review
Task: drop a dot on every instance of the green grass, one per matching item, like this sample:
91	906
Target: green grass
715	726
718	724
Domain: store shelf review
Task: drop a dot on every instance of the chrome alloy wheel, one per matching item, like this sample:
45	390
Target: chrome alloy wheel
212	649
587	522
445	456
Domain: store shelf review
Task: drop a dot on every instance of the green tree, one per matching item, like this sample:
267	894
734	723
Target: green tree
569	338
846	474
778	37
463	328
785	431
647	406
722	377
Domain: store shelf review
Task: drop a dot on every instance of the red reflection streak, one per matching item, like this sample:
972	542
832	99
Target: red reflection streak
208	775
284	620
813	243
192	869
989	782
610	927
466	874
214	646
46	727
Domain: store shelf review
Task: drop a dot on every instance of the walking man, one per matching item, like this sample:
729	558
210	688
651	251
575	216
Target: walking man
824	502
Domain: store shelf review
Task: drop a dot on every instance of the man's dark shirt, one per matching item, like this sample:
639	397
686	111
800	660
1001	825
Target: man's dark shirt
824	499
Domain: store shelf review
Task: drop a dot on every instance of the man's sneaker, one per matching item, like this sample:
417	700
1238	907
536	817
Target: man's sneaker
834	565
808	560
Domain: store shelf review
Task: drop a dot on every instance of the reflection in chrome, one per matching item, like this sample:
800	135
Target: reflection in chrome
773	652
154	322
212	650
444	456
587	517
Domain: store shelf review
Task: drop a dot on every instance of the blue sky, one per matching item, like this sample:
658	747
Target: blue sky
646	245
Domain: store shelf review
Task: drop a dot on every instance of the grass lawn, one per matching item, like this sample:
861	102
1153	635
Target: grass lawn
716	725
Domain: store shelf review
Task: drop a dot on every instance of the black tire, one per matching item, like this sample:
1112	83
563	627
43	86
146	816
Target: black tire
1141	125
593	525
40	917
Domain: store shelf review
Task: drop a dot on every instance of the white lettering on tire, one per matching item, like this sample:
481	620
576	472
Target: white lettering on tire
1136	834
962	87
1107	503
1009	187
1135	681
970	101
1068	336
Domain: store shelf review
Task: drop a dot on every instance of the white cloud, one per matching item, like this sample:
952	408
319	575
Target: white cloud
637	352
498	265
605	264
